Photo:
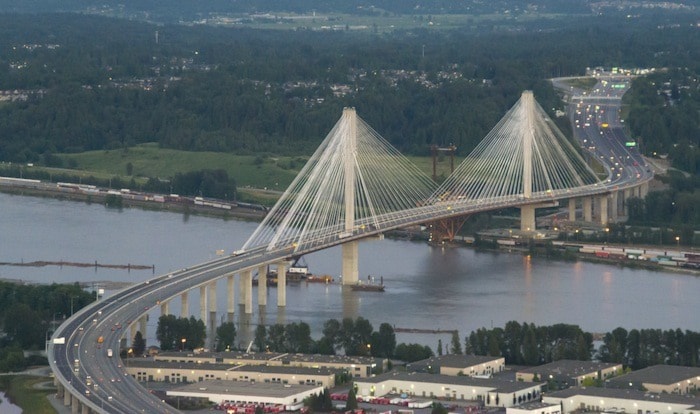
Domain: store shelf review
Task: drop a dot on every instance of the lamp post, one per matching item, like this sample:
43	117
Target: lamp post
71	305
607	233
678	243
182	347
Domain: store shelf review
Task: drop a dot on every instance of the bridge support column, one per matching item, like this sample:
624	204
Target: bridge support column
586	204
262	285
603	209
74	404
142	327
230	296
165	308
85	410
527	218
67	397
281	284
185	304
132	331
572	209
210	322
247	283
614	201
626	195
60	391
203	303
350	259
643	189
211	296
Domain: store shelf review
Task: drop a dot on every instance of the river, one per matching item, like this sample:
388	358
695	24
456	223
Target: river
427	287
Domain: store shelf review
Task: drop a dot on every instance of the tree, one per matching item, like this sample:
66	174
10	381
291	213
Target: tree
298	337
351	403
530	349
332	333
276	338
225	336
439	349
438	409
384	341
139	344
412	352
171	330
456	346
260	340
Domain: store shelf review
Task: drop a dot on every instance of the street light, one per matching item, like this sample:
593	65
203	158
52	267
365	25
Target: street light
182	347
607	232
678	242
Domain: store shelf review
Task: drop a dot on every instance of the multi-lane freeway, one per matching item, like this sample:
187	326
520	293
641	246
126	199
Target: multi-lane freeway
598	128
100	381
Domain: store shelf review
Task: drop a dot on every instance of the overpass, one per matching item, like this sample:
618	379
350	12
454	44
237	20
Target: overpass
354	186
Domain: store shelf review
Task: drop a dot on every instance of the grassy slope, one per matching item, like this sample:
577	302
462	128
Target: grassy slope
151	161
274	172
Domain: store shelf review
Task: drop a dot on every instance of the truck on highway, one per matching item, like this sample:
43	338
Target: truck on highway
100	339
59	341
109	352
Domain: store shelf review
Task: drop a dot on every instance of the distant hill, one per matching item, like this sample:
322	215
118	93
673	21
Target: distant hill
189	11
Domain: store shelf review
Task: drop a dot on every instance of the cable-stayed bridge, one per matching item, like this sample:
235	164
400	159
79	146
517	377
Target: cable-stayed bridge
354	186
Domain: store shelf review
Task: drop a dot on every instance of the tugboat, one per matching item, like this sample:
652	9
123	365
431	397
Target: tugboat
370	286
297	272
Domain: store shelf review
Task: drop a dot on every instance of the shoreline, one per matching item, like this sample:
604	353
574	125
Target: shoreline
254	215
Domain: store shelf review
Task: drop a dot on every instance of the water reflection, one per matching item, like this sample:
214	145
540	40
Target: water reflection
426	287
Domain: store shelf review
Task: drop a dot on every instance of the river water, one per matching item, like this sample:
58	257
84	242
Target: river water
427	287
6	407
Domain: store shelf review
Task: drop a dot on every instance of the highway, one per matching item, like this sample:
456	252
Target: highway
101	382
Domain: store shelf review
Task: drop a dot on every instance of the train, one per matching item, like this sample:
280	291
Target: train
671	258
128	194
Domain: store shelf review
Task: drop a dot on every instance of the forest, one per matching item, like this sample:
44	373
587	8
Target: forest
73	83
28	315
175	10
95	83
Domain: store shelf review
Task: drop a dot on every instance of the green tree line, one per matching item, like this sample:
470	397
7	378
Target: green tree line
109	85
528	344
30	313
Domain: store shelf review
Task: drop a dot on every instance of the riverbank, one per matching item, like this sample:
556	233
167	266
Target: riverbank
125	198
221	209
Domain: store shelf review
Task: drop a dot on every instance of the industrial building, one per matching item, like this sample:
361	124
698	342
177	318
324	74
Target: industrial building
568	373
489	392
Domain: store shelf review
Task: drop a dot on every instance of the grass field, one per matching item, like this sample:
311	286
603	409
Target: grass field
151	161
583	83
264	172
20	389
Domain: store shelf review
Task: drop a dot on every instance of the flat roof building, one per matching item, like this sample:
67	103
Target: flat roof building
535	408
568	373
143	369
358	367
658	379
611	400
453	364
490	392
219	391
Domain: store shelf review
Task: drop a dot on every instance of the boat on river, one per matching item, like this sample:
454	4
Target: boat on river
370	285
